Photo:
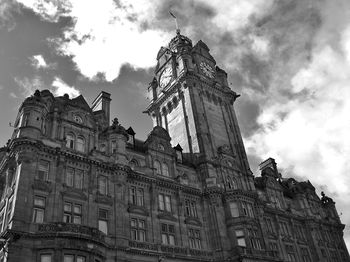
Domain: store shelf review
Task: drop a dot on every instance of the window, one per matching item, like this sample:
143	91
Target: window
269	225
2	215
274	248
290	253
240	238
231	182
194	239
80	144
136	196
299	231
23	120
284	228
43	170
45	258
114	147
102	185
234	209
73	258
190	208
157	167
247	209
103	220
164	202
165	170
78	119
138	229
70	141
305	256
72	213
254	238
179	156
9	209
39	209
74	177
168	234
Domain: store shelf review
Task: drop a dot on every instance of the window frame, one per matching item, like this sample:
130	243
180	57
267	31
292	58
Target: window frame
70	143
164	202
72	214
137	232
80	144
194	238
105	179
168	235
46	170
38	208
103	219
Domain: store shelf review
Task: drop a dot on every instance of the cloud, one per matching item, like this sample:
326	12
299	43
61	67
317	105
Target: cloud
13	95
61	88
38	61
58	87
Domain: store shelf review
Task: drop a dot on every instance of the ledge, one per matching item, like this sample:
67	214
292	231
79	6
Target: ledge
138	210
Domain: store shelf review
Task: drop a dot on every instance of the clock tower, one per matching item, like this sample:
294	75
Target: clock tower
190	98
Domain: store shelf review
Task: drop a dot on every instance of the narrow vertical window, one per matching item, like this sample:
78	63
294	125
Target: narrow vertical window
39	209
77	214
161	202
165	171
114	147
43	170
240	238
102	185
69	176
78	178
9	209
168	203
132	195
168	234
67	212
140	196
138	229
234	209
2	215
194	239
157	167
80	144
70	141
103	220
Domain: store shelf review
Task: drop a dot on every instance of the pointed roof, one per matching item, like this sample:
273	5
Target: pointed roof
80	101
130	131
178	147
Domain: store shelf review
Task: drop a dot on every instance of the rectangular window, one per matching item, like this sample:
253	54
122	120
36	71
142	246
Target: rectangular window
74	177
138	229
168	234
72	213
284	228
234	209
274	248
68	258
43	170
2	215
9	209
194	239
102	185
114	146
45	258
39	209
305	256
290	253
70	177
136	196
191	208
164	202
254	238
103	220
78	179
240	238
269	225
80	259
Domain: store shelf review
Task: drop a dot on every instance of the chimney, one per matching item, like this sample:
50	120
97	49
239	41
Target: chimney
102	102
269	163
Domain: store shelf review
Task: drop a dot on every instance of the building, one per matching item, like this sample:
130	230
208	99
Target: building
76	188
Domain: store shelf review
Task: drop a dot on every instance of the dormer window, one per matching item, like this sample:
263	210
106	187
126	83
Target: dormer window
114	147
178	150
77	119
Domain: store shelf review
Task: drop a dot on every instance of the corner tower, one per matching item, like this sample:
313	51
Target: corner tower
190	98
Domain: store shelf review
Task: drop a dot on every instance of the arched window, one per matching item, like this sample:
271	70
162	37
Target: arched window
80	144
157	167
133	163
165	170
70	139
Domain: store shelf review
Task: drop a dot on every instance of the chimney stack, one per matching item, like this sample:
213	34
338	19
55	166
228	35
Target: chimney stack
102	102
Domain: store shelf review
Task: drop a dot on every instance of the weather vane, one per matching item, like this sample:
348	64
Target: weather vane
176	24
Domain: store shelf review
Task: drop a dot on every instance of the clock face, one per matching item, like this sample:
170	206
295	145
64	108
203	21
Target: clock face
207	69
166	76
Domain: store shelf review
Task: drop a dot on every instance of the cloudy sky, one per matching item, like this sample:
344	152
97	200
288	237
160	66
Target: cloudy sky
289	60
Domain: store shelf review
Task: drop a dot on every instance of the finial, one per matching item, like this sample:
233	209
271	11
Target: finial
176	24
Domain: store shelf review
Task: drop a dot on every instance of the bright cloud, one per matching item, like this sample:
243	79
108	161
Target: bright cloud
61	88
39	61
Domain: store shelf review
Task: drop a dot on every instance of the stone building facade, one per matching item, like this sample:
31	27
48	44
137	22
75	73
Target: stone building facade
77	188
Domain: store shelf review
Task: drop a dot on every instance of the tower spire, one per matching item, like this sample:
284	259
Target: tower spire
176	24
